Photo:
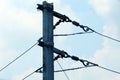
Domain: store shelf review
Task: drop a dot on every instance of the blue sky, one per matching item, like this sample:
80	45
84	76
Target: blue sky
21	27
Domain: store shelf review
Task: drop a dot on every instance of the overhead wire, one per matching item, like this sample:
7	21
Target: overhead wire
28	75
32	73
18	57
107	36
63	70
86	29
85	62
109	70
38	70
72	34
71	69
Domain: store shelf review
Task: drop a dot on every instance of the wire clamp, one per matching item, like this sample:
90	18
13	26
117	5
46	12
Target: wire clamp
42	44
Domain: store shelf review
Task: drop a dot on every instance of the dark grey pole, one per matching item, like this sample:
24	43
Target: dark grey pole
48	63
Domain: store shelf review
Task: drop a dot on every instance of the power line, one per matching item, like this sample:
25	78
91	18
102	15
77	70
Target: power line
109	70
72	34
28	75
18	57
71	69
107	36
87	29
89	64
84	62
63	71
38	70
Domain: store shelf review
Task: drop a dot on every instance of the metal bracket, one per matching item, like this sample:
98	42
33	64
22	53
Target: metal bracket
56	14
55	50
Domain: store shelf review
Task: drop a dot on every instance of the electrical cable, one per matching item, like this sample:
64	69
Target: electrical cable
103	35
63	71
28	75
32	73
86	29
71	34
107	36
38	70
18	57
87	67
71	69
89	64
109	70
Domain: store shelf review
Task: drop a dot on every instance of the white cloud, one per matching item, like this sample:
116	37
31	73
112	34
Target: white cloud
103	7
14	20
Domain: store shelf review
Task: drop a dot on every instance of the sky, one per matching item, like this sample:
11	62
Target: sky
21	27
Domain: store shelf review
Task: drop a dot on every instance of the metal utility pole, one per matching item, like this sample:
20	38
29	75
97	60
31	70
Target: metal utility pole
48	62
47	43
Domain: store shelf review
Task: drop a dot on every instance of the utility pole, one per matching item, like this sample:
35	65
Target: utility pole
48	62
47	43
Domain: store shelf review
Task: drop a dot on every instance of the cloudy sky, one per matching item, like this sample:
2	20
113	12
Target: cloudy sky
21	27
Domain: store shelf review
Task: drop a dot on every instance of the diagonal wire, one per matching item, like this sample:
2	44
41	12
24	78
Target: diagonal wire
109	69
18	57
99	33
71	69
32	73
63	70
86	29
107	36
28	75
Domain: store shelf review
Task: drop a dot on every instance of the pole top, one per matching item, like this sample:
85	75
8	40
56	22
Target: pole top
48	6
